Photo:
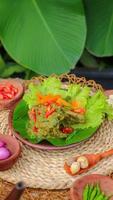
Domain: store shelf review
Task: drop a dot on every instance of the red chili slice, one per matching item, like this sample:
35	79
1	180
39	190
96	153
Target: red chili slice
5	96
1	87
67	130
15	90
80	110
9	95
39	113
7	91
12	92
35	129
1	97
33	114
50	112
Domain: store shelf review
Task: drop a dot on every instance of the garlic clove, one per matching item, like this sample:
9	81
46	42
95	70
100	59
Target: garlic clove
75	167
70	161
83	162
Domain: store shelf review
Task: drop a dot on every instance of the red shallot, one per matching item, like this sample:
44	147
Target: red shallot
4	153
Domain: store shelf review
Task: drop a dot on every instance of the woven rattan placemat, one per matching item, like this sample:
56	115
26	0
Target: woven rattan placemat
44	169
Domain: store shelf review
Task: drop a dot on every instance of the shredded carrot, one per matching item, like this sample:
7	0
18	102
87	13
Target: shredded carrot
61	102
75	104
76	108
80	110
50	112
52	99
48	98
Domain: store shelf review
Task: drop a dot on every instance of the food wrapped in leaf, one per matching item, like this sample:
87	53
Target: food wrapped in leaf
59	114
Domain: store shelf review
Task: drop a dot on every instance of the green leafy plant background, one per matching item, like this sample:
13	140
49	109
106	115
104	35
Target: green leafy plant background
53	36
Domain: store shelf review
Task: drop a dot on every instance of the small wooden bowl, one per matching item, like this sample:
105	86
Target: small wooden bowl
6	104
105	182
14	147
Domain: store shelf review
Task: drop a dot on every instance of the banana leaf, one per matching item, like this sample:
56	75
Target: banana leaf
44	36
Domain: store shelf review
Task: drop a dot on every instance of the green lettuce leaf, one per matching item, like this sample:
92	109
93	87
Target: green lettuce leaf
72	91
51	82
83	96
96	110
30	97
